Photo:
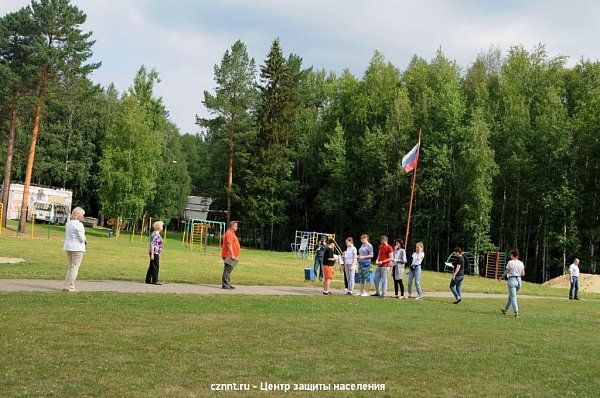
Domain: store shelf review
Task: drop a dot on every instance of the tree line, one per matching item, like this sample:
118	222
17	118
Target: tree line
509	158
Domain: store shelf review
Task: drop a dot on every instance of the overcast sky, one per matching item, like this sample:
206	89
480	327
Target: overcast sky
184	39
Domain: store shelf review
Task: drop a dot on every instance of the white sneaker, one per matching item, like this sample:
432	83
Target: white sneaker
365	294
395	296
419	298
345	289
403	297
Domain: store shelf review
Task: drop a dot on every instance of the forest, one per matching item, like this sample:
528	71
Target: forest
510	154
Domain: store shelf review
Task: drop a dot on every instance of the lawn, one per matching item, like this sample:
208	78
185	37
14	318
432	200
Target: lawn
147	345
123	259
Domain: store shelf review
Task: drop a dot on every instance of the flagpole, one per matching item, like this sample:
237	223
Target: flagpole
412	192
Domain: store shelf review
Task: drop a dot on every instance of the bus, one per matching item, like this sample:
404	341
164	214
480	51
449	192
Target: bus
52	213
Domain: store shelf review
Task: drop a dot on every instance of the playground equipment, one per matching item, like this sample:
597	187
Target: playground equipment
305	242
197	233
495	263
469	263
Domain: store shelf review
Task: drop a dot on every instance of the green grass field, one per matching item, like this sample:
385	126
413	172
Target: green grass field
123	259
149	345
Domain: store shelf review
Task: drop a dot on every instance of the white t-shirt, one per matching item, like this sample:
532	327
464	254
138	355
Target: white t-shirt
515	268
574	270
417	258
349	255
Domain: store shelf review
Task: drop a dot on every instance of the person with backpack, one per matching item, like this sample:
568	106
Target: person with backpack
458	260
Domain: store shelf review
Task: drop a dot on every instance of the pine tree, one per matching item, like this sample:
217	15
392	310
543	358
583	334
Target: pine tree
268	178
59	48
16	34
233	104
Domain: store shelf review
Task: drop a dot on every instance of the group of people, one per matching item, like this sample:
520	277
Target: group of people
354	261
359	262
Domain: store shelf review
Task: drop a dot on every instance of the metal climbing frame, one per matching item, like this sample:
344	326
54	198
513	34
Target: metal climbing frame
196	233
495	264
305	242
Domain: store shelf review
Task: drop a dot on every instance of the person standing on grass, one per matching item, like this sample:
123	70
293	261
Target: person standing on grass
230	253
398	268
74	246
385	257
574	278
328	263
319	252
350	264
155	250
365	254
458	260
515	269
415	271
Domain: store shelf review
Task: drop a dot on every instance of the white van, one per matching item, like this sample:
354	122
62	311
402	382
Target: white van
52	213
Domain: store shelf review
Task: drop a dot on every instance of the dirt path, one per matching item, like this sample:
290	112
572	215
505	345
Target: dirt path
43	285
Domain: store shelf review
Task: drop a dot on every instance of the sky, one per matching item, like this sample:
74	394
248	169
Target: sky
184	39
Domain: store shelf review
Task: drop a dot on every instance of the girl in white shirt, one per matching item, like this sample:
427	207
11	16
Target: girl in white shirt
350	264
74	246
415	271
515	269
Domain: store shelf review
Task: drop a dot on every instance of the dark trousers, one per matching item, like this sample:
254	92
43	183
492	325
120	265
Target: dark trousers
397	282
401	284
226	279
574	290
152	274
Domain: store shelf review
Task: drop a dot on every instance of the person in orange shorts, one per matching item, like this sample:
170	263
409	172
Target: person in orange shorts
328	262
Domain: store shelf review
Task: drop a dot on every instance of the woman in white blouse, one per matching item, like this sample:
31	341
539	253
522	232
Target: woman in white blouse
515	269
415	271
74	246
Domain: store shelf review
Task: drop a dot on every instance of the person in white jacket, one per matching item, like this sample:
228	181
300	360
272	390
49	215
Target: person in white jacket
74	246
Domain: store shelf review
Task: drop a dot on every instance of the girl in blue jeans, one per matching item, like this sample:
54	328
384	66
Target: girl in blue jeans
515	269
415	271
458	275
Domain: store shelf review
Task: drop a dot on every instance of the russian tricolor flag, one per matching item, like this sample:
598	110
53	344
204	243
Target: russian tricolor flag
409	161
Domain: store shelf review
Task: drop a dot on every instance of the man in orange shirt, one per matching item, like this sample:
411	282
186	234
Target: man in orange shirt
230	253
